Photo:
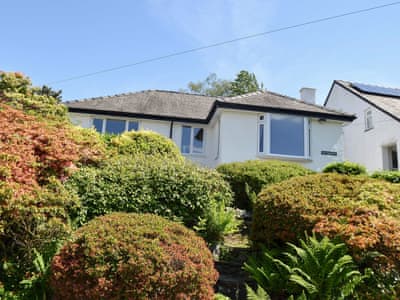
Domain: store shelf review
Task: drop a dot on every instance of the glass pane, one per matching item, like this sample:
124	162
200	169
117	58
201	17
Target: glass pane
115	126
133	125
261	138
98	125
186	137
198	140
287	135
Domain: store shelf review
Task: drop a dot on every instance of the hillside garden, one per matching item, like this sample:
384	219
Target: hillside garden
89	216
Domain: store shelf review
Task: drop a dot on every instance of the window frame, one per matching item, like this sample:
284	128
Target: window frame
368	114
192	128
104	125
266	122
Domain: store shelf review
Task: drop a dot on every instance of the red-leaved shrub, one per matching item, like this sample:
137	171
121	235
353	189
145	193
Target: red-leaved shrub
133	256
32	150
363	212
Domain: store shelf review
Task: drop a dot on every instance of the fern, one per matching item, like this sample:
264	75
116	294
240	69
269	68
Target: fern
260	294
317	269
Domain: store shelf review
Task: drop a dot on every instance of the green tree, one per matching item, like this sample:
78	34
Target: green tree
17	91
245	82
211	86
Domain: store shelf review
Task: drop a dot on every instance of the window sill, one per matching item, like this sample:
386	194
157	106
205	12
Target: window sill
368	129
194	154
284	157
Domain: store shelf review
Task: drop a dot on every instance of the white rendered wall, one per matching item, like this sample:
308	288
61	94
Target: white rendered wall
161	127
237	134
239	140
82	120
208	158
364	147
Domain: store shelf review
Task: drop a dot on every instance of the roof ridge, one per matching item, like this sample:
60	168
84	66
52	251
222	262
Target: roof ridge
244	95
133	93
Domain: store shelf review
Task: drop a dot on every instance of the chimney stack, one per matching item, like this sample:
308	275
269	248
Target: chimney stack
308	95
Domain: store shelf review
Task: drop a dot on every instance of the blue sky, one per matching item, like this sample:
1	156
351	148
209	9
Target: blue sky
53	40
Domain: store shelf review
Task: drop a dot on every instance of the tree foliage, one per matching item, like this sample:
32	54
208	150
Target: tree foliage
211	86
245	82
17	90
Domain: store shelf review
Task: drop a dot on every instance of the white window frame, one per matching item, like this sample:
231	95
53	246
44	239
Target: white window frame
103	129
368	115
192	140
267	138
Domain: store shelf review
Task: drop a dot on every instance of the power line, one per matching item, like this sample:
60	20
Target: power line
246	37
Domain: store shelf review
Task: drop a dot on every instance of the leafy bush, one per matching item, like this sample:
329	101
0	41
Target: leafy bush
173	189
132	256
33	150
35	208
391	176
363	212
17	91
31	221
145	142
318	269
346	167
218	222
251	176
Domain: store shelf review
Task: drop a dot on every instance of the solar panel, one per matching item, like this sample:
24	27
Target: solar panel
376	90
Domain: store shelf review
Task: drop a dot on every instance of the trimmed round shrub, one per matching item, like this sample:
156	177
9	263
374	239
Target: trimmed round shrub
133	256
249	177
363	212
145	142
173	189
391	176
346	167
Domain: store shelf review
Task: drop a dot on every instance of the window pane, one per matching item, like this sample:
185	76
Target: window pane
133	126
198	137
115	126
186	137
98	125
261	138
287	135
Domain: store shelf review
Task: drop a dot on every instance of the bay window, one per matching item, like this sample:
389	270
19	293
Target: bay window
283	135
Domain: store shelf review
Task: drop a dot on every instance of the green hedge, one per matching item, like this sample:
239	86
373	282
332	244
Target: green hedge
346	167
173	189
133	256
251	176
144	142
363	212
391	176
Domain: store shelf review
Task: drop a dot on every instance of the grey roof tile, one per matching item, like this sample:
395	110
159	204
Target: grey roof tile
158	103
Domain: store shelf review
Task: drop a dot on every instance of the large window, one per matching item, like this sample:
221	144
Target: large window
114	126
283	135
192	140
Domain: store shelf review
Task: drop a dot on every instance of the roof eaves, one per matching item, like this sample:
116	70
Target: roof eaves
327	115
137	115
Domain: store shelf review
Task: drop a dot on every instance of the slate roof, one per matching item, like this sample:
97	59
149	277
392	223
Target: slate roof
170	105
387	104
